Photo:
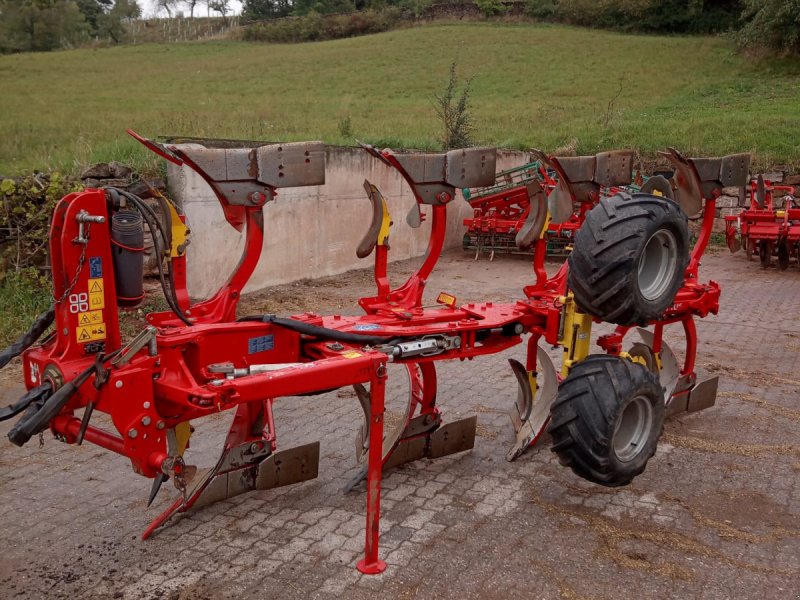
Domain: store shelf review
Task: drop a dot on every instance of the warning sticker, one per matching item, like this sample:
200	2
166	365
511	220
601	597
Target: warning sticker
96	286
351	354
93	317
91	333
97	301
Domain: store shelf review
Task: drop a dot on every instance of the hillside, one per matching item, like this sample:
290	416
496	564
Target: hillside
534	85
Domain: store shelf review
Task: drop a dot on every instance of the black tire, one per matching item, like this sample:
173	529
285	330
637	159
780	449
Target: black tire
607	418
629	258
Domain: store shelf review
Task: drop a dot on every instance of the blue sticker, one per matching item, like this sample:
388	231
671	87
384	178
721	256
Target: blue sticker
260	344
95	267
367	327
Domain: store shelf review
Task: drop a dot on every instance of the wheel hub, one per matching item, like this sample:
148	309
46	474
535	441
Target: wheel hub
633	428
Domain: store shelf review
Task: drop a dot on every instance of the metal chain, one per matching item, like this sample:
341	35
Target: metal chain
41	439
74	281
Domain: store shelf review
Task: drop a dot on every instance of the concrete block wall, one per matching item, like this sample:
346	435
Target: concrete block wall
309	232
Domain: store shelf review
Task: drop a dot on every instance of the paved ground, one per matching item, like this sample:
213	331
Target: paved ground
714	516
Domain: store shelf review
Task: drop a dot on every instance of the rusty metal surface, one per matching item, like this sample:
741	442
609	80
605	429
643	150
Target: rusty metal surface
291	165
735	170
470	167
578	168
614	168
423	167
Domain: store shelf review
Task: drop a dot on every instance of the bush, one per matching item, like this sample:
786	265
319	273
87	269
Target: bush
491	8
24	295
315	27
453	110
657	16
27	204
771	24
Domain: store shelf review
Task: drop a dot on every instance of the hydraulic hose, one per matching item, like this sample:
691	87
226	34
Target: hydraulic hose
40	325
321	332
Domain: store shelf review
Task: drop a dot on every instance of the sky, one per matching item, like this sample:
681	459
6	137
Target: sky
149	8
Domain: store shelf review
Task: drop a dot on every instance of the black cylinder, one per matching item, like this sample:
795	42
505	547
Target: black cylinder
127	251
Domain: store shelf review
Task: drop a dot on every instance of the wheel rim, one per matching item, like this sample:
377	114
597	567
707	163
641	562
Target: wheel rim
657	264
633	428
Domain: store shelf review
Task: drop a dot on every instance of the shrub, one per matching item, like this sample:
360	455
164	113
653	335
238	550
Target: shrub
453	111
27	204
313	26
771	24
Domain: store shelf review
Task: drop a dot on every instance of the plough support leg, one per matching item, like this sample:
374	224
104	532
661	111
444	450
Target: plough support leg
371	564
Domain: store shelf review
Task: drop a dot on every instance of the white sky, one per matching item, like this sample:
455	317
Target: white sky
149	8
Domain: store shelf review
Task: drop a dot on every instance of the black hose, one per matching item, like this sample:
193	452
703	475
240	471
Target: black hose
39	414
37	394
36	418
40	325
321	332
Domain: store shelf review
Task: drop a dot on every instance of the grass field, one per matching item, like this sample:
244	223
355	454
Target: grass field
533	85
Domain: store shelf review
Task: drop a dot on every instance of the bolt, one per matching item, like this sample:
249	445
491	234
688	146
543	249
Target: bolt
132	433
217	382
145	421
160	425
118	384
255	447
146	405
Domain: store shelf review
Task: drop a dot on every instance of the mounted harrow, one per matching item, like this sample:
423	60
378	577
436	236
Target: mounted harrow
763	229
631	266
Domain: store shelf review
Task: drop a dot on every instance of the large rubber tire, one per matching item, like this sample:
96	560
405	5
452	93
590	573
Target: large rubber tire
607	418
629	258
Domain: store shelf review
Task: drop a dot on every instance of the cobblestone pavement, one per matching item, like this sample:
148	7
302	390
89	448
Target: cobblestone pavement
714	516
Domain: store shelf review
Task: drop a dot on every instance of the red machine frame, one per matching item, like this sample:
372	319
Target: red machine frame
152	388
762	229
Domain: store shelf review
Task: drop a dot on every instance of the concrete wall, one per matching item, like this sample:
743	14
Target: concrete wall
312	231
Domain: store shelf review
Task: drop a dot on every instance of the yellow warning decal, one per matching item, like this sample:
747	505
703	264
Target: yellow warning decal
93	317
96	286
97	301
351	354
91	333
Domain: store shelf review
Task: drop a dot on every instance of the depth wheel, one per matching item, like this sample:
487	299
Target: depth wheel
629	258
607	418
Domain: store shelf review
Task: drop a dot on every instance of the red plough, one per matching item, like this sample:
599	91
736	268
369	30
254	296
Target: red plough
631	265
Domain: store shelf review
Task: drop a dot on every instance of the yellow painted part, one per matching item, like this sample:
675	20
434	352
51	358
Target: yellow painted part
545	226
656	193
179	232
183	431
386	223
637	359
577	333
780	213
534	386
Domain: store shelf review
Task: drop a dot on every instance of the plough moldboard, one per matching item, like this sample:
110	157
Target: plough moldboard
631	265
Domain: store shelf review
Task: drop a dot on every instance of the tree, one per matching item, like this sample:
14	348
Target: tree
771	25
92	9
259	10
112	23
40	25
222	7
167	5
